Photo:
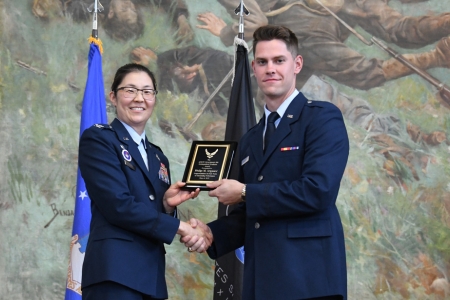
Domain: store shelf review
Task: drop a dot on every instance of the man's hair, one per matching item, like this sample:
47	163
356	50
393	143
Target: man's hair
276	32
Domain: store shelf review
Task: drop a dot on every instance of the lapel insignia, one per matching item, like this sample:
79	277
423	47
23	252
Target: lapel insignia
158	157
163	174
245	160
125	138
290	116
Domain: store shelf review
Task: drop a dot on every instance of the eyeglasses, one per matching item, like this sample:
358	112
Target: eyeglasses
131	93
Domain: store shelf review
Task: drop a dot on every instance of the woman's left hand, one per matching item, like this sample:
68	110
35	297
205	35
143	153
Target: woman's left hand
174	196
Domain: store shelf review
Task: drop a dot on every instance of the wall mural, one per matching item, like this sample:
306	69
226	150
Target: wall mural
395	195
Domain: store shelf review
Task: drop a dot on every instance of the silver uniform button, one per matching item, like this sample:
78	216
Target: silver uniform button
152	197
257	225
260	178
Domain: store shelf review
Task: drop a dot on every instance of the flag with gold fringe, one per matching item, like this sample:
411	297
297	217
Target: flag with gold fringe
93	111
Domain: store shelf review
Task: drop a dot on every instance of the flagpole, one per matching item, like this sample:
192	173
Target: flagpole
93	111
95	8
241	21
240	118
94	25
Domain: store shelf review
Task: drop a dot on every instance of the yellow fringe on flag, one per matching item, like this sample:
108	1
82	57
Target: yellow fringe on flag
97	42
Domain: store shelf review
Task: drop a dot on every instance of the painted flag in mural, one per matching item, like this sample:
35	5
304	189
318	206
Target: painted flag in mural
93	111
241	117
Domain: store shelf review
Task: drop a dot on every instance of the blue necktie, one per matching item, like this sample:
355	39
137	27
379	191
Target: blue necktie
141	148
270	129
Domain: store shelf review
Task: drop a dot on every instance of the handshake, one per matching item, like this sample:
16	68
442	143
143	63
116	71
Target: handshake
195	235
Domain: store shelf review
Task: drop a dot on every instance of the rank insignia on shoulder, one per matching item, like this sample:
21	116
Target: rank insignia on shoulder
101	126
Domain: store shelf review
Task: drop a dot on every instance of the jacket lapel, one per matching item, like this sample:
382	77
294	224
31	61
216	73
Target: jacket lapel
291	115
154	162
125	138
256	146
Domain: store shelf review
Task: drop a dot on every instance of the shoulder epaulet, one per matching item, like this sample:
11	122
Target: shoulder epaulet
315	103
103	126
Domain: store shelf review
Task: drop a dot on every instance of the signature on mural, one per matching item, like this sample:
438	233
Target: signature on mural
58	212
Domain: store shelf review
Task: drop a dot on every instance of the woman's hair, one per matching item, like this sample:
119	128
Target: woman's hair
127	69
276	32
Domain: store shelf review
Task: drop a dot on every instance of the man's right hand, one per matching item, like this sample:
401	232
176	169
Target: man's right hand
203	231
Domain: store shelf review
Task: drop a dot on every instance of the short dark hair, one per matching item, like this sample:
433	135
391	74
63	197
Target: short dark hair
127	69
276	32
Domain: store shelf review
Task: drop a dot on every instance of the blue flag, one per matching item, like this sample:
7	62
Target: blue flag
93	111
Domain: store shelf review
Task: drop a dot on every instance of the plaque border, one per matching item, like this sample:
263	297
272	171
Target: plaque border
226	162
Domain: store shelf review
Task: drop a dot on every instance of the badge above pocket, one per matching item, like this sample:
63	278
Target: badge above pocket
127	159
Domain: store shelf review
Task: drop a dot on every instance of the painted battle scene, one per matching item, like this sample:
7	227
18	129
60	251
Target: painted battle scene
395	196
